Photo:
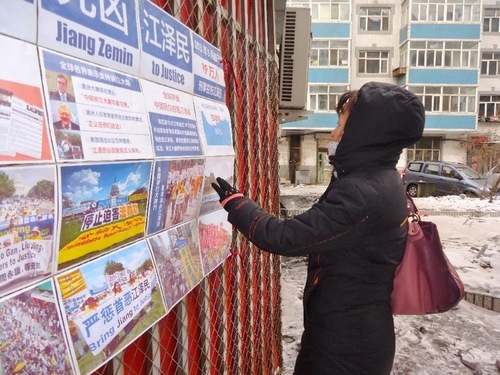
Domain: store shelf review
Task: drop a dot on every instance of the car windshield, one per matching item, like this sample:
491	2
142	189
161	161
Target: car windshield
468	172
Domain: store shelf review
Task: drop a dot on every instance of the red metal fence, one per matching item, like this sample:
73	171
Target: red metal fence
231	322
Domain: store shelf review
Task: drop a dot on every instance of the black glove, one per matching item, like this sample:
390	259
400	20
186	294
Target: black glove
226	192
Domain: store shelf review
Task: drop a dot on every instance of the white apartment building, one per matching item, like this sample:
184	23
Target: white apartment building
445	51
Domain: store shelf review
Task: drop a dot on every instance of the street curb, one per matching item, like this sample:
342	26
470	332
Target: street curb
484	301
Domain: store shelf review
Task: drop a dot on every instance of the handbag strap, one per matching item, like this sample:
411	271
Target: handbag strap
412	209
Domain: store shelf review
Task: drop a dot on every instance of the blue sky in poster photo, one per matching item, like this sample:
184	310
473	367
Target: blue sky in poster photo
131	257
84	182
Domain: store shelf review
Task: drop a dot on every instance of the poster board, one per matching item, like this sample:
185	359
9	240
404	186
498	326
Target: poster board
103	206
166	48
102	32
32	337
173	122
23	124
27	225
101	117
108	303
177	255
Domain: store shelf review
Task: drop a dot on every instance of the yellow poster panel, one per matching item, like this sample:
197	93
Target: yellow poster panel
103	238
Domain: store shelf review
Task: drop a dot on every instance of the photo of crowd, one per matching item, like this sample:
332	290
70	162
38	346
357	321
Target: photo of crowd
176	252
31	339
183	191
215	234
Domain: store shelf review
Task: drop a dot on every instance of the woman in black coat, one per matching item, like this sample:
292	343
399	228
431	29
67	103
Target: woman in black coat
355	235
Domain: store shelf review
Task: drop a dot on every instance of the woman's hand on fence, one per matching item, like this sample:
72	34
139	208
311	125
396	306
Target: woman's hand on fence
227	193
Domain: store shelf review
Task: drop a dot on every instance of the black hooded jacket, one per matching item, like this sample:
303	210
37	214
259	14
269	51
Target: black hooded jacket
355	237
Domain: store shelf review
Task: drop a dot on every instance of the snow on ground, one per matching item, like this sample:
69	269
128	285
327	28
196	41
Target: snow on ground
465	340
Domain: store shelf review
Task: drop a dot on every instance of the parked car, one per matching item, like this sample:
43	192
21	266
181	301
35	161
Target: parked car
446	178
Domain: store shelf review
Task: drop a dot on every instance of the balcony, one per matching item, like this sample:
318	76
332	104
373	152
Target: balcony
398	72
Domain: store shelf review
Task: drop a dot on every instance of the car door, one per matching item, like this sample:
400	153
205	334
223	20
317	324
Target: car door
431	174
450	180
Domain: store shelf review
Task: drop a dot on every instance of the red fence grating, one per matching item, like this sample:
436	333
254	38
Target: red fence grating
231	322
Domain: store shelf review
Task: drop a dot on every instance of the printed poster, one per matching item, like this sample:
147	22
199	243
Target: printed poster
103	207
25	137
215	166
176	193
103	32
32	340
208	70
173	122
108	303
95	113
167	51
24	10
27	230
214	124
215	234
177	257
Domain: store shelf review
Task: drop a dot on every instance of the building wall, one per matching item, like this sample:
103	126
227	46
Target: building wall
284	158
454	150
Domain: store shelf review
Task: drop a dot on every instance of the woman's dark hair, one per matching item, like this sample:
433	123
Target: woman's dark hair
349	96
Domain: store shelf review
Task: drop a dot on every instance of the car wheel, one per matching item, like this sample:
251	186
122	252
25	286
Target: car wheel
471	194
412	190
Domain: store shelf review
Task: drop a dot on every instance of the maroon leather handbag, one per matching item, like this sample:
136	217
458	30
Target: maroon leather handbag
425	282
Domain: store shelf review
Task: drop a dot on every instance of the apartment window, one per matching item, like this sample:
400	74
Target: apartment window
326	10
489	108
447	98
446	11
329	53
490	63
427	149
373	62
374	19
450	54
324	97
491	20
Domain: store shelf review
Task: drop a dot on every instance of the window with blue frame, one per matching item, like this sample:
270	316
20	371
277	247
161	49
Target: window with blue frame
324	97
445	11
329	53
449	54
456	99
325	10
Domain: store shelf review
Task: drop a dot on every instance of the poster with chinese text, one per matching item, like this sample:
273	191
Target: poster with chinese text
215	166
108	303
177	255
32	339
215	234
166	48
103	32
175	193
27	229
173	122
95	113
214	124
103	207
23	126
208	72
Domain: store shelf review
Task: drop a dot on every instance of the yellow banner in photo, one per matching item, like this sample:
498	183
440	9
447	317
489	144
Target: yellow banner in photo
101	238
